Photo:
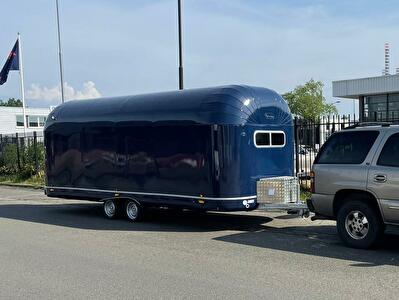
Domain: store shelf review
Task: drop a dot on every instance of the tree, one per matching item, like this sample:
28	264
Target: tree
307	101
12	102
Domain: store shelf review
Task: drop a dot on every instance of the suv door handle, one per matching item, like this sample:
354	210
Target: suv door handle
380	178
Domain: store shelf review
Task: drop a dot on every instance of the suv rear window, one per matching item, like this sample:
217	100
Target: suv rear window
347	147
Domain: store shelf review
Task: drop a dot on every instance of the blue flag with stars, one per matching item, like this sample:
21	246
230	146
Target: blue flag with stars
11	64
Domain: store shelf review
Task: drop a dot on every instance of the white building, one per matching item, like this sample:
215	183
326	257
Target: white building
12	120
378	96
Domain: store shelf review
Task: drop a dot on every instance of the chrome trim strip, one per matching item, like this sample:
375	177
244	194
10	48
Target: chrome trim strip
393	207
150	194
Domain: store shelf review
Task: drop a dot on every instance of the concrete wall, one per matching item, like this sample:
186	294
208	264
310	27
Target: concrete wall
8	119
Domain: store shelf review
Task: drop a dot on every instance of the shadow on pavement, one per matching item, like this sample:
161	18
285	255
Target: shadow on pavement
320	241
90	216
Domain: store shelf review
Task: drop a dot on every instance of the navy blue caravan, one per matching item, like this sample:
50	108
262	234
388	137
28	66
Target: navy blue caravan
201	148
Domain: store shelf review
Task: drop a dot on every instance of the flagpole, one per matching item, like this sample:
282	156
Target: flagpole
21	75
181	85
60	52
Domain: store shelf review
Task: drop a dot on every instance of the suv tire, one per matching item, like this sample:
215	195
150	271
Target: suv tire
359	225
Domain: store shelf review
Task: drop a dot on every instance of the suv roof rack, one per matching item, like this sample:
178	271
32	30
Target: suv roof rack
366	124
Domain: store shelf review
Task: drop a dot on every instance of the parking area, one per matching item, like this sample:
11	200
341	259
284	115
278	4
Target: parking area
64	248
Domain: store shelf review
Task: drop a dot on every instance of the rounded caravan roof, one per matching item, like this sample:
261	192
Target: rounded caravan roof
232	104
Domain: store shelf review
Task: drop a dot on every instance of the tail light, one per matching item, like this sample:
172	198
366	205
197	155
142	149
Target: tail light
312	179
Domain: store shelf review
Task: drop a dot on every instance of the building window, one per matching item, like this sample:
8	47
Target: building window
381	107
375	107
269	139
20	120
42	121
33	121
393	106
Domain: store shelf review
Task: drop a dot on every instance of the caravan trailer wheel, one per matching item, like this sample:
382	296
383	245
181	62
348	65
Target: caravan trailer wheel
109	207
133	210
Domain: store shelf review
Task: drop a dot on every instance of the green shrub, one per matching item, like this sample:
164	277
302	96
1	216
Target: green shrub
31	160
33	157
9	160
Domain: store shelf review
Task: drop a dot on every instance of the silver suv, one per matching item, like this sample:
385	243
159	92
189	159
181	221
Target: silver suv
355	180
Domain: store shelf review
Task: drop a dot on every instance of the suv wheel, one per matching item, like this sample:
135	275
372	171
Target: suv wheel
359	225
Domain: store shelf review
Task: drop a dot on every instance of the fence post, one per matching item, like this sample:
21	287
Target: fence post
18	155
296	137
35	151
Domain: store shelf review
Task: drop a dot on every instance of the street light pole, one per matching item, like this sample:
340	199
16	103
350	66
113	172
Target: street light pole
60	52
181	86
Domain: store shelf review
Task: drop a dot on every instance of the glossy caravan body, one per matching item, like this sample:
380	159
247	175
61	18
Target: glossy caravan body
191	148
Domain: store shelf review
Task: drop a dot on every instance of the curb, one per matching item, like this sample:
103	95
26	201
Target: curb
22	185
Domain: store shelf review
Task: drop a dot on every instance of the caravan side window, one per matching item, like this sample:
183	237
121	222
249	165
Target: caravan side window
269	139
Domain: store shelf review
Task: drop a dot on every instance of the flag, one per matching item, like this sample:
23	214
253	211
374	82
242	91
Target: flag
11	64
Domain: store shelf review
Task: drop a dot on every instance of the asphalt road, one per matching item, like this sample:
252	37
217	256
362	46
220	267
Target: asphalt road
53	248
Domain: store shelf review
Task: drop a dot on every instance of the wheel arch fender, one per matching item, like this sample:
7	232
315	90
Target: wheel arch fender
345	195
122	199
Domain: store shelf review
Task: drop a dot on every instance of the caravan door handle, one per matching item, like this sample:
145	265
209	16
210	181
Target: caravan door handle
380	178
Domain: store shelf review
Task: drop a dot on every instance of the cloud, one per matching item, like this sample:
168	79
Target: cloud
43	93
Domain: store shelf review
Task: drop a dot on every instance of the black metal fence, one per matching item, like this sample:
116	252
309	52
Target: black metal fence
310	136
21	155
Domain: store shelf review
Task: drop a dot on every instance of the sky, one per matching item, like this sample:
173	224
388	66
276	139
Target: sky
123	47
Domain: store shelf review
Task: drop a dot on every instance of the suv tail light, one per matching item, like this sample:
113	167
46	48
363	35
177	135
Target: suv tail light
312	178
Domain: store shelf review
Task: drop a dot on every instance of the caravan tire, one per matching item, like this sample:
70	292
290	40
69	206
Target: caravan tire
110	209
133	210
